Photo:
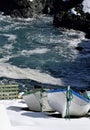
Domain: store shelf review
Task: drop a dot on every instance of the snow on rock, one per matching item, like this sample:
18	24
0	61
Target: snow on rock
86	6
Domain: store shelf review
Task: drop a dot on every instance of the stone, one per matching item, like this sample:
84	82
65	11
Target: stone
66	13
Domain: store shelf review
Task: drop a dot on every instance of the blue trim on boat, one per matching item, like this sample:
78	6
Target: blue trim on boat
73	92
56	90
80	96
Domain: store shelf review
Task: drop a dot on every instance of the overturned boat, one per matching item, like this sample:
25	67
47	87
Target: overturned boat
68	102
36	100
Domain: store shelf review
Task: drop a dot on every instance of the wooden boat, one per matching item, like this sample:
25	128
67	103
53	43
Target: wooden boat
36	100
68	102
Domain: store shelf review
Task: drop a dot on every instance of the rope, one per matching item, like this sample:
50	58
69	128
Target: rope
88	97
40	101
41	96
69	97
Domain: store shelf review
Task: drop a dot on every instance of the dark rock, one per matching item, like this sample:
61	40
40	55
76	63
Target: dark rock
26	8
64	17
63	11
49	7
79	48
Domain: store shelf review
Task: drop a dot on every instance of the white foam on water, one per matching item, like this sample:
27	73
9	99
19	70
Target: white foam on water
65	45
19	20
8	47
3	17
5	59
7	53
62	44
35	51
11	37
13	23
8	27
10	71
6	50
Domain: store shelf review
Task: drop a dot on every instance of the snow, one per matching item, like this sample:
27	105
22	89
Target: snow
30	0
16	117
74	12
4	119
86	6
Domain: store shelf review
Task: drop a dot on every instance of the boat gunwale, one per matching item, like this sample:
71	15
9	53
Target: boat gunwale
72	91
34	91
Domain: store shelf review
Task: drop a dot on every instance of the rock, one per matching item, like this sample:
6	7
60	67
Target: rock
79	48
26	8
69	14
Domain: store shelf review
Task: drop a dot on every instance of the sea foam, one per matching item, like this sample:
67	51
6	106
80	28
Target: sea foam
10	71
35	51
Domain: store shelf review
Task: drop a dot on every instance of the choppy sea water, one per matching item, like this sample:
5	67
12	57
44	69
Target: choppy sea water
33	51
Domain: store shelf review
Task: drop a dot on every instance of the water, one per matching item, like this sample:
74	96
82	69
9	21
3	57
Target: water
33	51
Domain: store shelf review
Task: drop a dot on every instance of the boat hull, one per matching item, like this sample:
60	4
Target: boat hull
76	106
37	101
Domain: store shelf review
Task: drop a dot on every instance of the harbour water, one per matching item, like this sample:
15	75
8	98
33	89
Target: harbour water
33	51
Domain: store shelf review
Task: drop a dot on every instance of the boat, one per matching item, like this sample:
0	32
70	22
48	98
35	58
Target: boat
68	102
36	100
86	94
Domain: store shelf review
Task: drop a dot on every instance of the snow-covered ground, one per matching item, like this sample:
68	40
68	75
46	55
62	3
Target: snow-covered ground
14	116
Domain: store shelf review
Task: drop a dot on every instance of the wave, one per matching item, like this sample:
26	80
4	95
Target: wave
35	51
11	37
5	59
10	71
8	54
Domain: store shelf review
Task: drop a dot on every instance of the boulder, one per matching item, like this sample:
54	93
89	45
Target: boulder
79	48
26	8
70	14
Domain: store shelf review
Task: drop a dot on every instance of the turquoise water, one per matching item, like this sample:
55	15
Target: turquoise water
33	51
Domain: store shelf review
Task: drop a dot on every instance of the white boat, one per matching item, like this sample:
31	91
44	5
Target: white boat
36	100
68	102
86	94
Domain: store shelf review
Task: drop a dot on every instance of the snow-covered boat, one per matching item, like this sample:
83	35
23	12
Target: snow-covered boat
36	100
68	102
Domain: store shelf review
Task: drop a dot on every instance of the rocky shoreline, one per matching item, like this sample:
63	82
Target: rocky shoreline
70	14
67	13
